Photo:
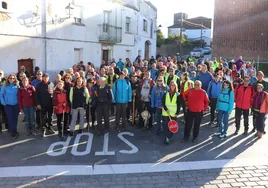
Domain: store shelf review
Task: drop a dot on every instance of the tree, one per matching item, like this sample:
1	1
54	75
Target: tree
176	38
160	38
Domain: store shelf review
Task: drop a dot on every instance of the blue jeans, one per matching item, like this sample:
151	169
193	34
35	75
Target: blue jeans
12	112
158	117
29	113
223	118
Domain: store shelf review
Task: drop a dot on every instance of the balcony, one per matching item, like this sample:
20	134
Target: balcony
110	34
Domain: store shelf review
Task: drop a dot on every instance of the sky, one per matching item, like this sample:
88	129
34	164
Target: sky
194	8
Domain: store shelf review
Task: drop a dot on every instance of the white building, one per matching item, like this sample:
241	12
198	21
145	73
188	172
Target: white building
191	28
54	35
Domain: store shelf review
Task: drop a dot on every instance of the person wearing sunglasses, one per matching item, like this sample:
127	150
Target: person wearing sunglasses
3	115
225	105
243	98
23	70
9	99
157	95
260	110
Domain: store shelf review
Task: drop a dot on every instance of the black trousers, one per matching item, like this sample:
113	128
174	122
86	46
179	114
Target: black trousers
238	114
193	118
103	112
142	107
259	121
167	132
121	110
213	103
92	110
59	120
37	117
46	116
3	117
112	106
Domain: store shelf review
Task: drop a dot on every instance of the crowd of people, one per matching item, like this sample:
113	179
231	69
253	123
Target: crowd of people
142	93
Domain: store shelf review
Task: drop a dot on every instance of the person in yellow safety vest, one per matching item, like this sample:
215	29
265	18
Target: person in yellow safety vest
186	85
110	79
215	64
173	77
171	107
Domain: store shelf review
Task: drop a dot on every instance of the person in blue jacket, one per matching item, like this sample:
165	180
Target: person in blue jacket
225	105
157	94
9	99
205	77
122	93
214	90
120	64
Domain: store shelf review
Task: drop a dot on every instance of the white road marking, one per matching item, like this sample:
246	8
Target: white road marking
134	149
105	147
75	151
68	170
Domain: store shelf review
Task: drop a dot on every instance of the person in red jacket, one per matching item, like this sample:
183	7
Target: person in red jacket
197	102
61	107
26	105
243	100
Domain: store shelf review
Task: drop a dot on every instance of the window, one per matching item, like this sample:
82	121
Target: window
152	27
145	25
4	5
128	24
77	20
78	14
106	15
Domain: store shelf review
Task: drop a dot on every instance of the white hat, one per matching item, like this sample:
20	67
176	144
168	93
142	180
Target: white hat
232	61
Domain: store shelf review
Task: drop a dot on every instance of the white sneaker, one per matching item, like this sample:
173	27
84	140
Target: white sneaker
223	136
217	134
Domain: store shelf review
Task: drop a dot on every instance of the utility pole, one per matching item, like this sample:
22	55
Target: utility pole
181	31
201	38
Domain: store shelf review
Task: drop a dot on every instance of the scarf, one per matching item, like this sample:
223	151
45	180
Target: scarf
258	100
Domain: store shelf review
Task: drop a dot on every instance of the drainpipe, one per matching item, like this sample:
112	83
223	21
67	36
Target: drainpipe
44	31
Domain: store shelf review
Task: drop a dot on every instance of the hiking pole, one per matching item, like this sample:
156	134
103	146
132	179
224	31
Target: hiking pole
89	111
62	127
133	111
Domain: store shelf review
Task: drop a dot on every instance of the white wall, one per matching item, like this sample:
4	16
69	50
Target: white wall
20	42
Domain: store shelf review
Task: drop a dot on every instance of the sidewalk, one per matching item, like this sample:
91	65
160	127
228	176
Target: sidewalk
251	176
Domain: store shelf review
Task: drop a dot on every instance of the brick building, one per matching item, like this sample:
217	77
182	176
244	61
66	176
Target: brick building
241	28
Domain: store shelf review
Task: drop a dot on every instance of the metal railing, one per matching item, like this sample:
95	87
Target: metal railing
109	33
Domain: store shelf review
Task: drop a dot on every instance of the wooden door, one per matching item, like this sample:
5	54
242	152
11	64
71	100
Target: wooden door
105	55
28	64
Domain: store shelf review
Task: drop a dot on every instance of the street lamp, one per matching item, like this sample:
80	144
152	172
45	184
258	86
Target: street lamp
69	10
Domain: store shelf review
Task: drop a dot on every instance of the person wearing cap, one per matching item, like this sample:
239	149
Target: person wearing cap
192	76
214	90
231	63
134	85
260	110
238	80
122	93
243	100
43	101
103	103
